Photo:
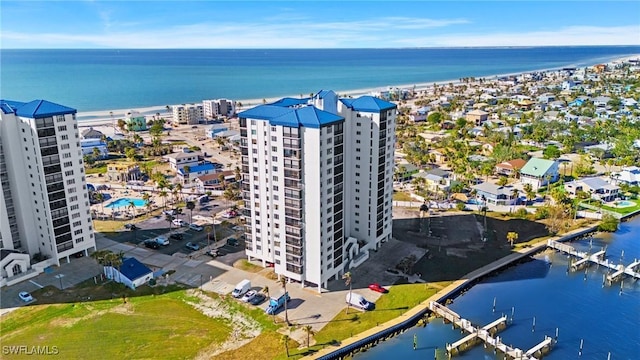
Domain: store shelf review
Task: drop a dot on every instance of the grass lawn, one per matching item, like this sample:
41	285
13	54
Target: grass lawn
396	302
402	196
267	345
243	264
151	327
97	168
108	226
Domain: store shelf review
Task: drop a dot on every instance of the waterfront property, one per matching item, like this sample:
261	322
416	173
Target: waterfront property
597	187
298	155
135	121
539	172
495	194
187	114
44	212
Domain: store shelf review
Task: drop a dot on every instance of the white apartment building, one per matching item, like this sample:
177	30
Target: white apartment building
218	107
317	184
188	114
43	194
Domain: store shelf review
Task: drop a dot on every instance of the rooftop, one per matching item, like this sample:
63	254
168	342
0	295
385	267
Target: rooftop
536	167
35	109
368	104
133	269
307	116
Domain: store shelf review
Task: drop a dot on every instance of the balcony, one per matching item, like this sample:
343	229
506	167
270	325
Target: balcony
295	214
293	241
294	251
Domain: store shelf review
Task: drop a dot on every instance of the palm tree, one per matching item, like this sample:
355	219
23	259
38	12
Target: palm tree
100	198
163	194
169	219
146	198
190	205
132	206
530	194
179	190
285	341
309	331
347	281
174	193
283	282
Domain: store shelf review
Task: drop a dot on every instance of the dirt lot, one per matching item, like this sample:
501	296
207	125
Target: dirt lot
454	240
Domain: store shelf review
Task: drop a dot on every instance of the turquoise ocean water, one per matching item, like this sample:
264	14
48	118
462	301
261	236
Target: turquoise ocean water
91	80
607	320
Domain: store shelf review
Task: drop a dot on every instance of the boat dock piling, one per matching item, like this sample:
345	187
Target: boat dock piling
486	334
598	258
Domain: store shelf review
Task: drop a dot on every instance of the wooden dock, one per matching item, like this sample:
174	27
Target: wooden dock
486	335
598	258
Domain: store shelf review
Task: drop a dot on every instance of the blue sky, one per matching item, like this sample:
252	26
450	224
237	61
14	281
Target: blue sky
316	24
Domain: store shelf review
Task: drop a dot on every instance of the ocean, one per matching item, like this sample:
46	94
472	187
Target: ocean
106	79
605	319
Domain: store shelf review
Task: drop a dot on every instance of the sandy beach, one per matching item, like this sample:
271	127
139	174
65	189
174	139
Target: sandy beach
106	117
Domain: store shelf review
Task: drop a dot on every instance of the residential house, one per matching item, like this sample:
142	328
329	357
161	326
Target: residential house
420	114
177	161
511	167
477	116
630	102
212	181
435	180
216	129
88	145
628	175
131	273
123	172
597	187
546	98
403	172
493	194
186	177
601	101
91	133
134	121
539	172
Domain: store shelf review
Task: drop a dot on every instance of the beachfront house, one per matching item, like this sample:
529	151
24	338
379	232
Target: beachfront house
91	133
435	180
492	194
597	187
131	273
123	172
135	121
177	161
539	172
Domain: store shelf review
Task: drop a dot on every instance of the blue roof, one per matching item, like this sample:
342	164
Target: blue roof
307	116
133	269
324	93
287	102
368	104
35	109
198	168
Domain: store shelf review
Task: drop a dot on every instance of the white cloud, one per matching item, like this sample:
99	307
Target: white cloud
571	35
305	33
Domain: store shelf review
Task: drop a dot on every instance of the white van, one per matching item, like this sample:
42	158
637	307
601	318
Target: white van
358	301
242	287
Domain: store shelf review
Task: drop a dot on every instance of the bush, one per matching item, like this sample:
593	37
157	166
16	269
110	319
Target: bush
521	213
608	223
542	213
460	206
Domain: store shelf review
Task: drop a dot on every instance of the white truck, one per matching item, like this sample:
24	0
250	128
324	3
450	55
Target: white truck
240	289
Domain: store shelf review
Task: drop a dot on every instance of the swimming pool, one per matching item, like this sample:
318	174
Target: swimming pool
625	203
124	203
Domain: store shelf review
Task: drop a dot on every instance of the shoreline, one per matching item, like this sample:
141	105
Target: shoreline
103	117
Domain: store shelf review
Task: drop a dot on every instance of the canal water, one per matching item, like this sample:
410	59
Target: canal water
605	319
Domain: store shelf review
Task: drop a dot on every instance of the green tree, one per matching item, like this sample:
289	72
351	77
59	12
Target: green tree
608	223
309	331
551	152
130	153
283	282
285	338
169	218
511	237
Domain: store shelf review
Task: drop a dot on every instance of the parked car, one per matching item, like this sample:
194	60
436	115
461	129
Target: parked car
25	296
249	295
214	253
131	227
170	212
162	240
192	246
176	236
233	242
179	222
229	214
376	287
195	227
152	244
258	299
